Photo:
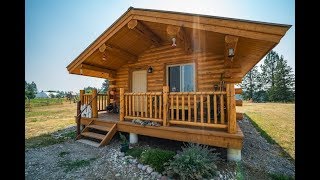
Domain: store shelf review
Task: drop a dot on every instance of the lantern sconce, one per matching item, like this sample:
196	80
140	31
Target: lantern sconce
174	42
230	52
150	69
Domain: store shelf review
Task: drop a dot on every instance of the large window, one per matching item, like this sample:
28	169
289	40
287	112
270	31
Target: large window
181	78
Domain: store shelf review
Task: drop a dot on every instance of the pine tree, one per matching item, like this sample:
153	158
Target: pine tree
105	86
250	83
284	82
268	69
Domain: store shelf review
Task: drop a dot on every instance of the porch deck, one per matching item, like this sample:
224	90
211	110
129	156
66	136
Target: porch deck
203	135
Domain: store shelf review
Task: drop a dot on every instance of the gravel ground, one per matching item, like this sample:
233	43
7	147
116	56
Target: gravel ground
258	154
258	158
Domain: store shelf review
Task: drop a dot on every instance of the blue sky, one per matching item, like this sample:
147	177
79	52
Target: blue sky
57	31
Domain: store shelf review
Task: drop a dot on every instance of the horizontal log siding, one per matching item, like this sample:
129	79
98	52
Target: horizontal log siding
209	67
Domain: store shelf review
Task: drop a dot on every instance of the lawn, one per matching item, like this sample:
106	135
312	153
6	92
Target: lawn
276	119
49	118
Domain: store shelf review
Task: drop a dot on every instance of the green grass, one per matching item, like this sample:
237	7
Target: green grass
42	141
156	158
239	170
262	132
44	102
63	153
47	140
275	121
135	152
72	165
280	177
47	119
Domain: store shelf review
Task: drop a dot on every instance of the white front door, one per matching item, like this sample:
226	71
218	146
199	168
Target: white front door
139	84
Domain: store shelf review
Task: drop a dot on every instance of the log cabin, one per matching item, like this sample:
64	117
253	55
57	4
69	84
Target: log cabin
175	69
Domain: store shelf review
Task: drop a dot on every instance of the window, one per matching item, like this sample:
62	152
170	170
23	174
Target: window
181	78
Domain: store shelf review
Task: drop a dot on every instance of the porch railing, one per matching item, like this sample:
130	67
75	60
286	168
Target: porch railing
145	106
202	109
97	104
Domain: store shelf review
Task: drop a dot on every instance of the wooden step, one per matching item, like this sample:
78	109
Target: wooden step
101	128
88	142
109	136
93	135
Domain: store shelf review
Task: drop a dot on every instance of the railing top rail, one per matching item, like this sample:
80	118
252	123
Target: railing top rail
198	93
146	93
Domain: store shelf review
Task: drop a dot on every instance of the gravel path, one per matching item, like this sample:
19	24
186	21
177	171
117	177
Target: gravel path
258	154
258	159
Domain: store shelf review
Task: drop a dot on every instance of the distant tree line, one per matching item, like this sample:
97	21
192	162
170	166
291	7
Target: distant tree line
275	82
30	90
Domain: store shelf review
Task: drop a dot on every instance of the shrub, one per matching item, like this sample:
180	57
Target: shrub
134	152
156	158
193	162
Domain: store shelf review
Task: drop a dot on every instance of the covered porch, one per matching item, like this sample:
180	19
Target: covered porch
200	117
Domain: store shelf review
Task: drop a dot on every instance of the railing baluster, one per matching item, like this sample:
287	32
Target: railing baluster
201	108
171	107
195	108
130	105
182	108
215	109
126	99
177	107
133	105
160	107
150	103
222	108
141	100
189	109
208	109
155	107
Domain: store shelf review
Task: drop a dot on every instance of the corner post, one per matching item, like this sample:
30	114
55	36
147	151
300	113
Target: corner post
81	97
108	97
94	103
165	104
78	117
121	104
231	107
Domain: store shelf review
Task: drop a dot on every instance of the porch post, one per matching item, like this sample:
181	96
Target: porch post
78	117
165	104
231	108
121	104
94	103
81	96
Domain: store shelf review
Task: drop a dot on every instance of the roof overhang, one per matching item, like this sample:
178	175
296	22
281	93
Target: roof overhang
268	33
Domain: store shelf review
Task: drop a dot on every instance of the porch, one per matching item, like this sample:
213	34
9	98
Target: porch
199	117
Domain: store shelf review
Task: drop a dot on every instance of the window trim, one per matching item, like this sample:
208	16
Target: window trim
182	64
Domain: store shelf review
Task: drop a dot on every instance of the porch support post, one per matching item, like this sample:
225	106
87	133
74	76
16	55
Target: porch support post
133	138
231	108
233	154
122	104
78	117
165	104
94	103
81	96
108	97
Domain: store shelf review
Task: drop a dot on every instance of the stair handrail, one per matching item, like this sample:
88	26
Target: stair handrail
77	117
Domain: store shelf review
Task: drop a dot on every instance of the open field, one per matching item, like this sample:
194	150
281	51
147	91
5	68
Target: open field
48	119
277	120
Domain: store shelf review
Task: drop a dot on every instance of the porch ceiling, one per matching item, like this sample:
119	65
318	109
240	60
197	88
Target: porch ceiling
125	45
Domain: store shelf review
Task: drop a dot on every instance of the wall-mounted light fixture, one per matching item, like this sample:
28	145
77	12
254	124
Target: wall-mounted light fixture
150	69
230	52
174	42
